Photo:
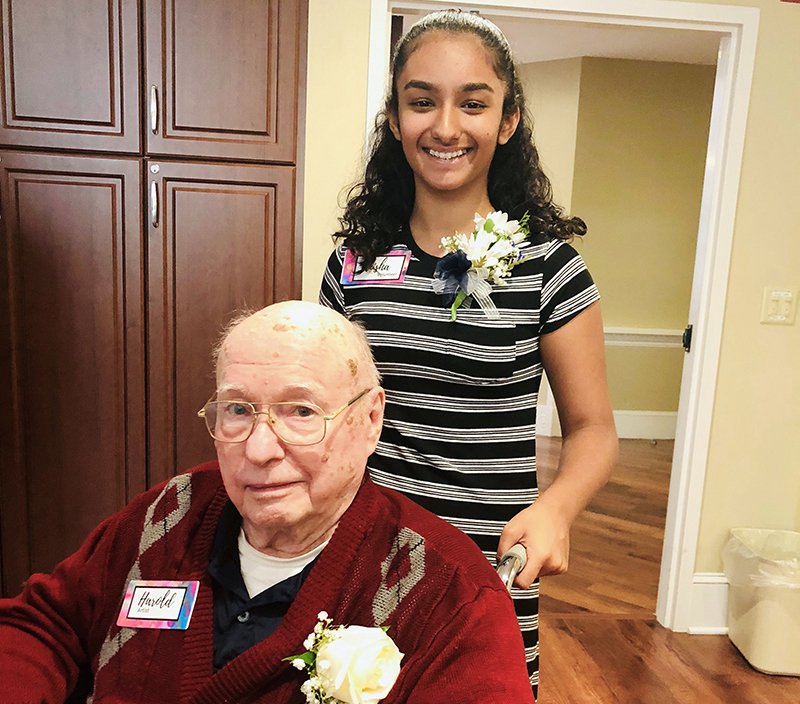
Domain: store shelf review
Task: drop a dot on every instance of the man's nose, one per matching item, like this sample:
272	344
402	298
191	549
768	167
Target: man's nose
264	444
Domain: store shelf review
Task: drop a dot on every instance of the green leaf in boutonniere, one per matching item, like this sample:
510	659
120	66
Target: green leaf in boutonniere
474	262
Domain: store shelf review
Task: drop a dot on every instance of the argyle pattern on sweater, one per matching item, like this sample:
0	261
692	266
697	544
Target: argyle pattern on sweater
388	563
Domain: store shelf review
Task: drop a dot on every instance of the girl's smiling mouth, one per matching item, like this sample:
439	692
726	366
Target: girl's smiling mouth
447	156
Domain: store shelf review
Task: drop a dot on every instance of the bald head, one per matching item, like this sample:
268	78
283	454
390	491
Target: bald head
307	325
295	365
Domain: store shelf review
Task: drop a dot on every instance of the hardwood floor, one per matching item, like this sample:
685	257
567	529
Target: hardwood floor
599	640
612	660
615	554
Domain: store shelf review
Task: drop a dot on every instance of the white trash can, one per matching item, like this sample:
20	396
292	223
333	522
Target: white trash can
763	570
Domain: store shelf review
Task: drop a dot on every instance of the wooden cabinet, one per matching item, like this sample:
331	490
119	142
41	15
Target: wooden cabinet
72	368
148	176
222	78
219	242
71	75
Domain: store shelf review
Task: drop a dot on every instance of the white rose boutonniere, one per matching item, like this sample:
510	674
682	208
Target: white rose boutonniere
347	664
473	261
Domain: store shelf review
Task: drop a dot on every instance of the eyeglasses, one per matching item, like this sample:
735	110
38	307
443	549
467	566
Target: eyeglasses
293	422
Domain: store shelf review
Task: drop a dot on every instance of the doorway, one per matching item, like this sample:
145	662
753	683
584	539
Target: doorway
735	31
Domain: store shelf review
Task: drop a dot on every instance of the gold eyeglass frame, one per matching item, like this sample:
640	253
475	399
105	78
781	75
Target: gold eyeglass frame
202	414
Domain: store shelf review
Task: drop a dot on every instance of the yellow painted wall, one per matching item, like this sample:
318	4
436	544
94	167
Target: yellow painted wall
639	161
624	143
753	470
640	155
644	378
336	113
552	89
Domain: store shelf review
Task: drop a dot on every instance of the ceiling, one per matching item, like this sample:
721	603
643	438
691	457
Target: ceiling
536	40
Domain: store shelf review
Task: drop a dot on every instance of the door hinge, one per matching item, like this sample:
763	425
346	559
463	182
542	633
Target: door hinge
687	339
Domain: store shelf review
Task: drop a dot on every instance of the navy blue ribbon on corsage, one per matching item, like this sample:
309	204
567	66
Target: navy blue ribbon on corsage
451	272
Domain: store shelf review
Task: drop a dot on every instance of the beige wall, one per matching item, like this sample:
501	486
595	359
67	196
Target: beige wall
336	110
753	471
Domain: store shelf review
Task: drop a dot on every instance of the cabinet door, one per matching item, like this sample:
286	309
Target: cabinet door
71	74
221	240
72	375
222	78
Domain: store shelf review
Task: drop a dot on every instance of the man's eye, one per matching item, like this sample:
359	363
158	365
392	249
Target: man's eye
238	410
299	411
421	103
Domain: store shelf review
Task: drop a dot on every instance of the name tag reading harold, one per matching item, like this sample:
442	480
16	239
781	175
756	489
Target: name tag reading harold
389	268
158	604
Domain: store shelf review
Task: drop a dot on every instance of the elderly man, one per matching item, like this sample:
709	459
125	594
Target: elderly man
202	588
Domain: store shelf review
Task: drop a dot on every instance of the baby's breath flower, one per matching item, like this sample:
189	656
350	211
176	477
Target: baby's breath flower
472	261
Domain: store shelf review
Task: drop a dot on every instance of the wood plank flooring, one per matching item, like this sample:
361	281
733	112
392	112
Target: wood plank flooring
599	640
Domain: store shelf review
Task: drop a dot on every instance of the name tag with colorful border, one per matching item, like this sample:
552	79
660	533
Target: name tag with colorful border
389	268
158	604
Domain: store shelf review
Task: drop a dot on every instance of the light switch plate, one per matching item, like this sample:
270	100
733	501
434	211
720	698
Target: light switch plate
778	306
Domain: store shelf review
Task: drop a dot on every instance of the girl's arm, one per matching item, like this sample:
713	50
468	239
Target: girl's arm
574	359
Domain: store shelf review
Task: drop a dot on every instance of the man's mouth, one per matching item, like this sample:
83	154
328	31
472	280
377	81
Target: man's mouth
270	487
447	156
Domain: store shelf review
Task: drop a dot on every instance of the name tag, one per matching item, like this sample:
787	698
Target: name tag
388	268
158	604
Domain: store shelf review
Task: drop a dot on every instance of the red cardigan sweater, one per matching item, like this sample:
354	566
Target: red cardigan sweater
388	563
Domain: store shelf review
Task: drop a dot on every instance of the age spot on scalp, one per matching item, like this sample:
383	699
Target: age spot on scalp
353	365
282	327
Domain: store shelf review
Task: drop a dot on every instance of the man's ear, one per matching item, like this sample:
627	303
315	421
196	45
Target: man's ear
394	123
508	126
377	400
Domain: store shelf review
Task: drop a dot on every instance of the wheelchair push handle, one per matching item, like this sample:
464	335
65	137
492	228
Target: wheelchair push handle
511	564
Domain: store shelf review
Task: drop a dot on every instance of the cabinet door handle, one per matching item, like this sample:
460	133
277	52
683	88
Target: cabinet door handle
154	204
154	109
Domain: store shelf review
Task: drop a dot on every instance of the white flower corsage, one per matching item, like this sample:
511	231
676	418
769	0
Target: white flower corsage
472	261
347	664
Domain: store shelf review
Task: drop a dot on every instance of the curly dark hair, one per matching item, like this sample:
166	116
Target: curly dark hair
381	204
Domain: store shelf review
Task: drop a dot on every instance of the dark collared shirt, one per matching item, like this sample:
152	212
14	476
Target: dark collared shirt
239	621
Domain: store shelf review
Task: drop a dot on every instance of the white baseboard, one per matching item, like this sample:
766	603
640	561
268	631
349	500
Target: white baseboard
709	613
644	425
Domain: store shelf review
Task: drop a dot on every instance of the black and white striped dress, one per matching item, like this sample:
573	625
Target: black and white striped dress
459	435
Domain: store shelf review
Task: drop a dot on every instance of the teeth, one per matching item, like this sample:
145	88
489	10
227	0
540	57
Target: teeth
447	155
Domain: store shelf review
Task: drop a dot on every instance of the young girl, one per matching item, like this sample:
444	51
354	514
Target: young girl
461	385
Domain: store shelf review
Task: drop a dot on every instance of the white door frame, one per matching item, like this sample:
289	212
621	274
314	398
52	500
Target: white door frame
738	28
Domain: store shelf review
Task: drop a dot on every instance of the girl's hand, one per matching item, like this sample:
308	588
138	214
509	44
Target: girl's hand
544	532
574	359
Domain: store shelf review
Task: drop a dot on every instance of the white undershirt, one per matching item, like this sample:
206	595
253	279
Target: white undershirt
261	571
